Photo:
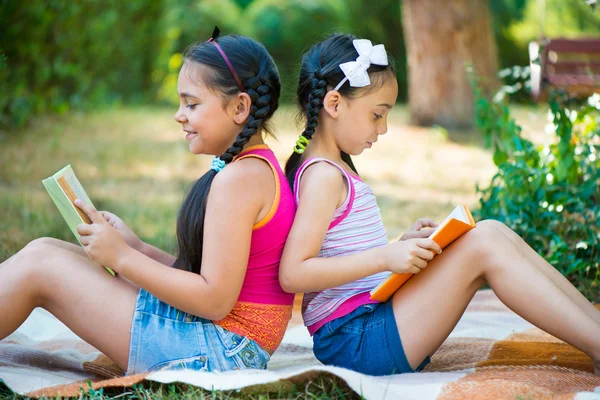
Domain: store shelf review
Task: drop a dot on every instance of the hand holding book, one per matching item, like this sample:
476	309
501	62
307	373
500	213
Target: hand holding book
411	255
422	228
63	188
101	241
117	223
459	222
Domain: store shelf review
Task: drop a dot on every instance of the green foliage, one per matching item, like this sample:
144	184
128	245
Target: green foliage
184	23
555	18
505	13
550	195
59	55
288	28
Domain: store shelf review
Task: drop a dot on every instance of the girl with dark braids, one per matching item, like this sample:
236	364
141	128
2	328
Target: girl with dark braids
337	250
218	304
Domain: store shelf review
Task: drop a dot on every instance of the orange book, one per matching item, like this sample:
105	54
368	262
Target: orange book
459	222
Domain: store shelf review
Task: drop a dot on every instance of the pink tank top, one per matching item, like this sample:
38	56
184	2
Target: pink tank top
356	226
263	309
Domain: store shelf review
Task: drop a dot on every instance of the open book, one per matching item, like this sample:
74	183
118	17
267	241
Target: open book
459	222
63	188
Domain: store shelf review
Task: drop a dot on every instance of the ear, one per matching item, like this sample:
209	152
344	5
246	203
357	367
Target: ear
332	102
239	107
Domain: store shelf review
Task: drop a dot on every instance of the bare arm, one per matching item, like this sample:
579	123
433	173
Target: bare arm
236	197
156	254
135	242
301	269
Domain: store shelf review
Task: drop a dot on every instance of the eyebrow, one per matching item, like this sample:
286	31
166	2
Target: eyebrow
385	105
184	94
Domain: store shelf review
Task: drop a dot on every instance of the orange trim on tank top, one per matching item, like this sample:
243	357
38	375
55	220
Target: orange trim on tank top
255	147
275	205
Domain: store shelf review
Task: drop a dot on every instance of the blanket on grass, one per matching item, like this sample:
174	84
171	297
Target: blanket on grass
492	353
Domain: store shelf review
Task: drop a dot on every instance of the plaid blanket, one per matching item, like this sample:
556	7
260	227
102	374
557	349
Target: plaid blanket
492	353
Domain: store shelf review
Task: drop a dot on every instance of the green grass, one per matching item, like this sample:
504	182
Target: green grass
322	387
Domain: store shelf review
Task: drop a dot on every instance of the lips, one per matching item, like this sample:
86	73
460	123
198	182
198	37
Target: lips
190	134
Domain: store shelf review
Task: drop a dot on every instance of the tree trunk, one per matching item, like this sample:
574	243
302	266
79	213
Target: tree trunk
442	38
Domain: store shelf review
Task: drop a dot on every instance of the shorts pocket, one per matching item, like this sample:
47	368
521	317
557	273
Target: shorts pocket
243	351
252	356
196	363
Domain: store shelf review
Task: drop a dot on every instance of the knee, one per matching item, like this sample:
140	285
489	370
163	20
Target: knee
485	238
32	256
491	226
35	244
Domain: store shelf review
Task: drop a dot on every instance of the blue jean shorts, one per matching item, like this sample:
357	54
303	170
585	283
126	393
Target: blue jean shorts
163	337
365	340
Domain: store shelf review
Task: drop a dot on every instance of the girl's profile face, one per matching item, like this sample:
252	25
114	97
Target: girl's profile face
203	114
364	118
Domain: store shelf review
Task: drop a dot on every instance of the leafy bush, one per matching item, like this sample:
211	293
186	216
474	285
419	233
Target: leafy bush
62	55
57	56
549	195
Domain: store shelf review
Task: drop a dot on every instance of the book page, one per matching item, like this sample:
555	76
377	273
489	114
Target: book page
458	213
68	191
74	183
72	188
63	188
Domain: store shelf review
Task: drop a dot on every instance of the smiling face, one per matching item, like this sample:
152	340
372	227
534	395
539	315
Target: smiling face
362	119
206	117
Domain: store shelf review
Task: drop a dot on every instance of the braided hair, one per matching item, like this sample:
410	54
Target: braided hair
260	79
320	73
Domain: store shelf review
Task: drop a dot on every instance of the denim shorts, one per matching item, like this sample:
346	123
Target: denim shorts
163	337
365	340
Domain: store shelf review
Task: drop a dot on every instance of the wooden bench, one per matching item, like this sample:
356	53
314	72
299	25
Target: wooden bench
572	65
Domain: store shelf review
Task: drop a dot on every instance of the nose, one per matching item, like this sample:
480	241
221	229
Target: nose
180	116
382	128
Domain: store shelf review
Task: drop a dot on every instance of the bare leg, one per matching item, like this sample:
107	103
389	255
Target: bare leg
551	272
63	245
57	243
485	254
95	305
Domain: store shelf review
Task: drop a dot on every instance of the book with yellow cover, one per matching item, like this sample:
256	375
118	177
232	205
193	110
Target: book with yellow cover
459	222
63	188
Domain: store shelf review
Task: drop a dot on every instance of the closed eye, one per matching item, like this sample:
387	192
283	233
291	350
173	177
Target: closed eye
191	106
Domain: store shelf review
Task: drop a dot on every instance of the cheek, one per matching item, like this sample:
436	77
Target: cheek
357	127
218	131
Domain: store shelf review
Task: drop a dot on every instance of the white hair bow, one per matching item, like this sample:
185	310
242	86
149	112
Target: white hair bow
356	71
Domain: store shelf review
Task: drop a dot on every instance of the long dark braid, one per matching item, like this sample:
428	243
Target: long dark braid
260	80
259	110
318	89
319	73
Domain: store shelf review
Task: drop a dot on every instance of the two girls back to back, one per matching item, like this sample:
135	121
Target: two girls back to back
337	249
220	304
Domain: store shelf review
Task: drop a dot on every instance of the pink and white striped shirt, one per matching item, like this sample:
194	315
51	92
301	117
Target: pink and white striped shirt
356	226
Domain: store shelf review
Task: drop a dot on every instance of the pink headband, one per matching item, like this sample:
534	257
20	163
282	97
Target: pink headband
235	75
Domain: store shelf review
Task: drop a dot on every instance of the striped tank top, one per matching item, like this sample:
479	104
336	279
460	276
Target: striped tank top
356	227
263	308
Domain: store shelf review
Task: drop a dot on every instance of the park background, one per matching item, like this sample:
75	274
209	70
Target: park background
93	84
